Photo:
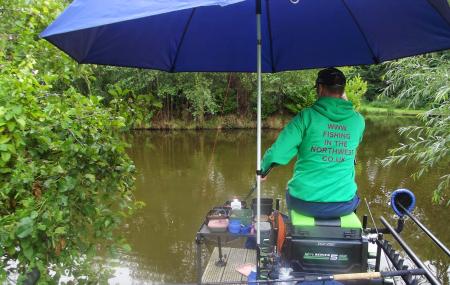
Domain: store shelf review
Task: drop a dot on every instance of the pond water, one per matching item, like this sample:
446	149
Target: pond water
181	175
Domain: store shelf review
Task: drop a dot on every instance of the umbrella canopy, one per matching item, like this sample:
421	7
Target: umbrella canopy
220	35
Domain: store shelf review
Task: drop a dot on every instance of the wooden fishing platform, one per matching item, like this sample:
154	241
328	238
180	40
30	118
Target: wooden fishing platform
233	258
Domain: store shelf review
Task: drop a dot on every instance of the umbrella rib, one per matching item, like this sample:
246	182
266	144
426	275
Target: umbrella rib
172	69
269	24
445	17
374	57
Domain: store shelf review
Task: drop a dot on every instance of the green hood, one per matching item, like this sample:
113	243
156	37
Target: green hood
334	109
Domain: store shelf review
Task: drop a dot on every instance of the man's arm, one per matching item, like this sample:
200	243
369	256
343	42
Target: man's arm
286	145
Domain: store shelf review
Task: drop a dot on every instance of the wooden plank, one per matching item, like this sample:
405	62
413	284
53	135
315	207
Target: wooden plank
250	258
243	278
213	273
236	258
228	273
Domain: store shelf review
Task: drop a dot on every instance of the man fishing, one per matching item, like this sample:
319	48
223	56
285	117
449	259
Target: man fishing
324	138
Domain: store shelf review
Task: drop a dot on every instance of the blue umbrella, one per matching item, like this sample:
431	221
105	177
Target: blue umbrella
221	35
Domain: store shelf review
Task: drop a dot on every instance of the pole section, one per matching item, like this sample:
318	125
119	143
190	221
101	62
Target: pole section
426	230
258	124
431	278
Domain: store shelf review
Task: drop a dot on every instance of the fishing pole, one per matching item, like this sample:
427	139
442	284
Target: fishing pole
254	185
425	229
251	192
378	260
336	277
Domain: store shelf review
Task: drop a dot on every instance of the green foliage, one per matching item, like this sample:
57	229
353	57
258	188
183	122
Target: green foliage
421	80
198	93
199	96
143	96
425	80
65	179
139	95
374	75
355	89
135	108
292	91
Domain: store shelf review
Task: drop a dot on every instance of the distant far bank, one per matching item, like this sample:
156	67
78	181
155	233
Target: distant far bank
375	110
226	122
229	122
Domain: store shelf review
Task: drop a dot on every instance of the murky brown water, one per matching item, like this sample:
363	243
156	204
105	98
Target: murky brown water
183	174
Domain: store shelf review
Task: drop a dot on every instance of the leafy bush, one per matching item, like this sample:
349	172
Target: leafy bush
65	179
137	109
65	182
375	77
198	93
297	101
355	89
292	90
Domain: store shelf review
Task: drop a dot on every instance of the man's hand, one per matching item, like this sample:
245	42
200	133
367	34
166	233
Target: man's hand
263	178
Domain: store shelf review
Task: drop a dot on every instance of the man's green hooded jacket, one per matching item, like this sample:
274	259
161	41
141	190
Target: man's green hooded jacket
324	138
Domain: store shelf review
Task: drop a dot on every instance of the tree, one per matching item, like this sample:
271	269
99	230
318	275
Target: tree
424	80
65	180
374	76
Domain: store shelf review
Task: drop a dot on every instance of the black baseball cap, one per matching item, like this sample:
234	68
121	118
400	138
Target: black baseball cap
331	77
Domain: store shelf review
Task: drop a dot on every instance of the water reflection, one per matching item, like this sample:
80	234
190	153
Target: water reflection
183	174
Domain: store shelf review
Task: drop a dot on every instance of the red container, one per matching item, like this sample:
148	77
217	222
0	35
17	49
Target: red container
218	225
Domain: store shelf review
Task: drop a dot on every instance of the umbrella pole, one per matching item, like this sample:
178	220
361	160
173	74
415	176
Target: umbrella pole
258	129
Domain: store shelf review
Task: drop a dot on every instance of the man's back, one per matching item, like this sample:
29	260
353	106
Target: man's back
324	171
324	138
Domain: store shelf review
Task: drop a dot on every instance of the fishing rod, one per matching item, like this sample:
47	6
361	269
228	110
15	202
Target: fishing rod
252	190
336	277
425	229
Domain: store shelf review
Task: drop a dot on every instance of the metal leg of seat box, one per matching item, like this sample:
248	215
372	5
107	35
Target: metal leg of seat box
221	262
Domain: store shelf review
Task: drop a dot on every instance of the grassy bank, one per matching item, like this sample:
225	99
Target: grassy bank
368	109
219	122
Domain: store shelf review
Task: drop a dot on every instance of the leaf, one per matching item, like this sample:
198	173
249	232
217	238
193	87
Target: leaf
6	156
28	252
58	169
64	200
34	215
67	184
21	122
25	227
42	227
60	230
11	148
4	139
11	126
90	177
